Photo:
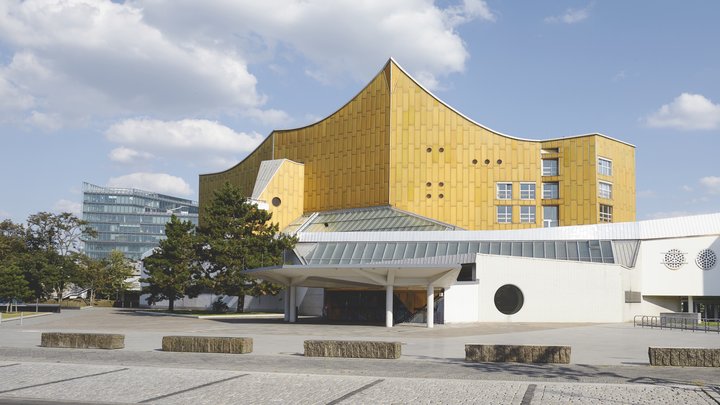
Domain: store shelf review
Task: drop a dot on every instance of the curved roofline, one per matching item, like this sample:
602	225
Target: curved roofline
244	159
490	129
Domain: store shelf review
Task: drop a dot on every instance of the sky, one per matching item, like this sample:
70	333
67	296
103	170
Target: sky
151	93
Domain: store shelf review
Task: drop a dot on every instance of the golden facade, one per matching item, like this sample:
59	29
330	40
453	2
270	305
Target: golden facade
397	144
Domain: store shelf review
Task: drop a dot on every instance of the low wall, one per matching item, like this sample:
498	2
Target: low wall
353	349
517	354
207	344
82	340
684	357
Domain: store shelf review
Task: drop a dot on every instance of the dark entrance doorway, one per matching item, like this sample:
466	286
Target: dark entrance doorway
368	306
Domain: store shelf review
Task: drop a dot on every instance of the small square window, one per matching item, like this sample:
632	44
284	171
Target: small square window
504	214
527	191
605	166
504	191
527	214
606	213
549	167
605	190
551	190
550	216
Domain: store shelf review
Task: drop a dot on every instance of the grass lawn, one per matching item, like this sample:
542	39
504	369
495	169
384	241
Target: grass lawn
11	315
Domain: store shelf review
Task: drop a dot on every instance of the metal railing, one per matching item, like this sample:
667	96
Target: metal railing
681	323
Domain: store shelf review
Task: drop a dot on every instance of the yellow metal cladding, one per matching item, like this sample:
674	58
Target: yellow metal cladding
345	155
285	192
396	144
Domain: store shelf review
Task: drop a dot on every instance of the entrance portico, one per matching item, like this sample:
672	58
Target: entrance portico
423	276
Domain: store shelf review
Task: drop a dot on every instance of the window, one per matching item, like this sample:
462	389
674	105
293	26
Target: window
605	166
504	191
549	167
605	190
550	216
527	191
606	213
504	214
527	214
509	299
551	190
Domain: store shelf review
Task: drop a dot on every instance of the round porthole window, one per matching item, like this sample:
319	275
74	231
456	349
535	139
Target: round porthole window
276	201
428	150
499	161
509	299
474	161
428	184
487	161
674	259
706	259
441	150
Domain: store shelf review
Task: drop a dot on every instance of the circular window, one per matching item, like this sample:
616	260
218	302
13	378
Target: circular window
487	161
441	184
276	201
441	150
441	195
428	150
428	196
428	184
706	259
509	299
474	161
499	161
674	259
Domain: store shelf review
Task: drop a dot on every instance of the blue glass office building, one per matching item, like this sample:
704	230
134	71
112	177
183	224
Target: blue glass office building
130	220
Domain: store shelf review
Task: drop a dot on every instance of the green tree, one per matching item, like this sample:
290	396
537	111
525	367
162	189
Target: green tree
118	269
173	269
56	238
91	275
13	285
235	236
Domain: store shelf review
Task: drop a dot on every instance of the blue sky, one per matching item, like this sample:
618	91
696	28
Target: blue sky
151	93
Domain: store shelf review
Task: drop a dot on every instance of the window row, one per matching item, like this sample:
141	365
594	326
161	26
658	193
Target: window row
550	190
550	167
528	215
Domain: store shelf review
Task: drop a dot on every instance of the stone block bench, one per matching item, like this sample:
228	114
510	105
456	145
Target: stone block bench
207	344
82	340
353	349
684	357
517	354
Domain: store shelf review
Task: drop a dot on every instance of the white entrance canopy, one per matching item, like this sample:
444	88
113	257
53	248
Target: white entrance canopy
375	275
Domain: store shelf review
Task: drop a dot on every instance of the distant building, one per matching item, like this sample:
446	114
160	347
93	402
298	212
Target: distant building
130	220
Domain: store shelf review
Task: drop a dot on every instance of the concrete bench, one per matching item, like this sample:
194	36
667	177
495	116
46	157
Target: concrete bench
684	357
82	340
207	344
517	354
353	349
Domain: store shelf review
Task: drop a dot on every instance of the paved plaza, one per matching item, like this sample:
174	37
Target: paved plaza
609	364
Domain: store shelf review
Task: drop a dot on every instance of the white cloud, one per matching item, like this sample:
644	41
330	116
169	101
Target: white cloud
192	140
46	122
270	117
571	16
687	188
336	39
79	57
156	182
670	214
127	155
687	112
72	207
711	184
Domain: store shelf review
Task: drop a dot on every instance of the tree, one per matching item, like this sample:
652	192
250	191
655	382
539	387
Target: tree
57	238
118	269
13	285
91	275
235	236
173	269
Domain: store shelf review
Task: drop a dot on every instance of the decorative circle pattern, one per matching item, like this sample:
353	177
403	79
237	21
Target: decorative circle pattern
706	259
674	259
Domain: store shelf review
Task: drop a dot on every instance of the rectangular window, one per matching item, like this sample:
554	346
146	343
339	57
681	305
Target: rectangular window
551	190
550	216
504	214
549	167
605	190
504	191
527	214
527	191
606	213
605	166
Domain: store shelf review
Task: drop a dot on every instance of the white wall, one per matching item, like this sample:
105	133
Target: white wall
658	280
554	290
461	302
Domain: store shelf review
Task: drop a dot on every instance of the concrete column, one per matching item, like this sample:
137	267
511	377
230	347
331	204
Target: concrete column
293	309
430	316
389	306
286	304
690	304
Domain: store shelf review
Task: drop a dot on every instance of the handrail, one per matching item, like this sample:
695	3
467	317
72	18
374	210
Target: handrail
673	322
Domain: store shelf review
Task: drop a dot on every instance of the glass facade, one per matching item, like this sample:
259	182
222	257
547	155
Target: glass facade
129	220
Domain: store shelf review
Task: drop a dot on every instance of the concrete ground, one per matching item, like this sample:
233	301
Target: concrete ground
609	364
